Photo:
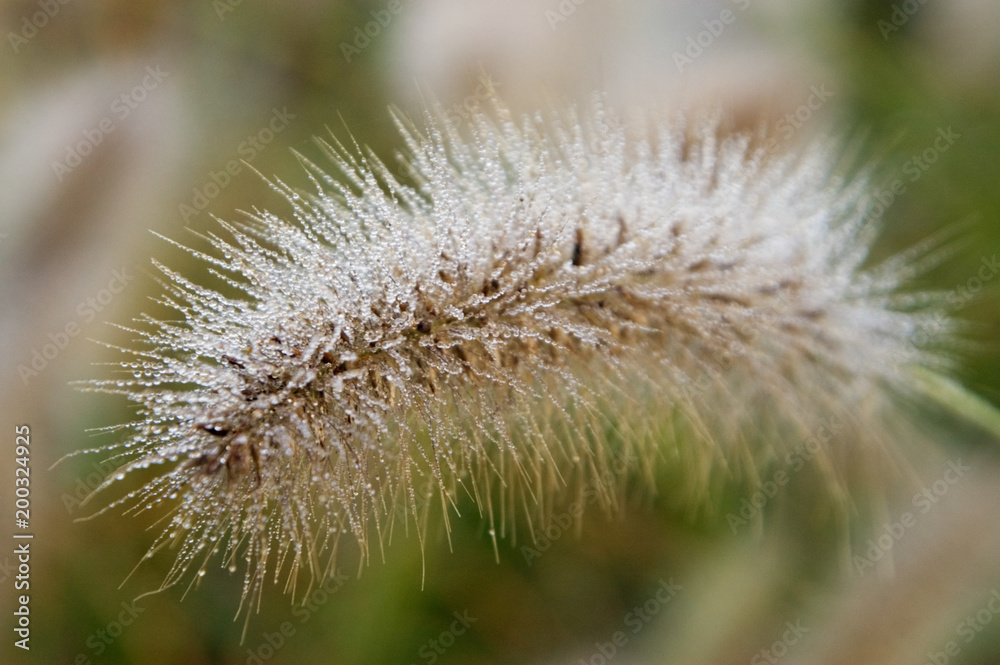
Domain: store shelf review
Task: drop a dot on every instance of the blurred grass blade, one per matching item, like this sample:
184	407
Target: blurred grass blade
958	399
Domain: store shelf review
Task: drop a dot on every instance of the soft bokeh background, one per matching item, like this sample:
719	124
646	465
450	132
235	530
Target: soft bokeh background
885	77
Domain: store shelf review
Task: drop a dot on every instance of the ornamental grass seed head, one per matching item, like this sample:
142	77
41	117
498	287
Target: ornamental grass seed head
534	301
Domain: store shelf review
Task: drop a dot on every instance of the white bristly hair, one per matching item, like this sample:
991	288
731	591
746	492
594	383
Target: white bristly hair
535	301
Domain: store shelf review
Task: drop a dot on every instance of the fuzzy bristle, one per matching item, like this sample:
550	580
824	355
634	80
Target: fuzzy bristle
534	300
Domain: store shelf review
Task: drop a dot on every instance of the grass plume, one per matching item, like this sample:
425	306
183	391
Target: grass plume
536	298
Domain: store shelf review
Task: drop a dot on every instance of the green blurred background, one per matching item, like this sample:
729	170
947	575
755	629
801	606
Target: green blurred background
897	75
